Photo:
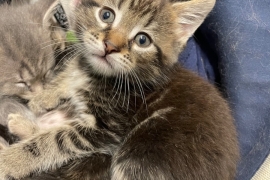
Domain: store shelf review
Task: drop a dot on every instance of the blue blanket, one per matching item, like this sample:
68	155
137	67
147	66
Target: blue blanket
237	33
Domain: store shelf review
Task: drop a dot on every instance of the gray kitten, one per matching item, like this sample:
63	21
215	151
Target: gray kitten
29	35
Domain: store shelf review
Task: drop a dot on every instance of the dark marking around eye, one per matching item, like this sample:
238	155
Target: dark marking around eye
90	4
159	55
130	44
33	149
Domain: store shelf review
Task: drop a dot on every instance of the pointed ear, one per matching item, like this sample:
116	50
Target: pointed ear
59	18
190	15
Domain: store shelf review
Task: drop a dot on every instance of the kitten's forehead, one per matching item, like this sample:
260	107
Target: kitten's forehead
141	4
133	4
136	13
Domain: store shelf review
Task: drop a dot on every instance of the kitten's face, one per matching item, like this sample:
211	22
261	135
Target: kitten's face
128	36
26	48
141	37
26	65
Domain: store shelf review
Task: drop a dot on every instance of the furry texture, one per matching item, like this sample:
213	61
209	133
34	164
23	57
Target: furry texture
26	58
130	112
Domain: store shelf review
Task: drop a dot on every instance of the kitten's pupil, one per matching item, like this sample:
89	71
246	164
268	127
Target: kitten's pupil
142	40
107	15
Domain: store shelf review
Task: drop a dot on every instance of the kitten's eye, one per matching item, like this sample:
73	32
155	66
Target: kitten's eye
142	40
21	84
107	15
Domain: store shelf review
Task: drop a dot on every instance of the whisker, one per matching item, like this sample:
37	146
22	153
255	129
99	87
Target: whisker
118	82
120	89
124	81
140	88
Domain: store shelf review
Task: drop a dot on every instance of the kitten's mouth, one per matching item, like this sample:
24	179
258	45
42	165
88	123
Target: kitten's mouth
103	59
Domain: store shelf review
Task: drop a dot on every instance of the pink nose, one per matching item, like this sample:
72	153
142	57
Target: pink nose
110	47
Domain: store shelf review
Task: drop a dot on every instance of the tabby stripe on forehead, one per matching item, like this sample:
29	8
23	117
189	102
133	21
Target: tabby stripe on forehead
151	18
147	11
24	65
120	3
90	4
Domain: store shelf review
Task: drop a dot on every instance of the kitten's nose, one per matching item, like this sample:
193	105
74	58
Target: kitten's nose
110	47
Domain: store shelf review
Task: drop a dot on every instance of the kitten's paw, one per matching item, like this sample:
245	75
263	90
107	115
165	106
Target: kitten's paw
20	126
37	107
42	105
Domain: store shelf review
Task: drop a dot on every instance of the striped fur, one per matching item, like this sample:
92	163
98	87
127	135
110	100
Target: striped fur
130	106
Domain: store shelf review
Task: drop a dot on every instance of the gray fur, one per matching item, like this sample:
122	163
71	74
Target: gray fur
26	57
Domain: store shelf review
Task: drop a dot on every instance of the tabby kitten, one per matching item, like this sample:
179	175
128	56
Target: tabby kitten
26	57
127	100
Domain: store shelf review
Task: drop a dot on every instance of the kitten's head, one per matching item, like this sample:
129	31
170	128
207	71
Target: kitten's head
141	37
26	47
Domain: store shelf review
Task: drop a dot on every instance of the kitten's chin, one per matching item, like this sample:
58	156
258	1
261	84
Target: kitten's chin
101	65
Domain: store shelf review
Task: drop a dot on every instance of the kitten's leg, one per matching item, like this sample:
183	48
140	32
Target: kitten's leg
47	99
25	128
51	149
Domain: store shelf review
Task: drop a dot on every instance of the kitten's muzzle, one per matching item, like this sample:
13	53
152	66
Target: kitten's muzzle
110	48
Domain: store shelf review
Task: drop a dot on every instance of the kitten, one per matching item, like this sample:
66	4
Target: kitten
26	58
128	103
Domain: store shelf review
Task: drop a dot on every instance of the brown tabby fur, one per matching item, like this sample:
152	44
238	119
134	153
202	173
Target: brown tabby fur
130	112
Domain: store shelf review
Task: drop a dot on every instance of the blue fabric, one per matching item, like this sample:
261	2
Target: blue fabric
239	34
195	58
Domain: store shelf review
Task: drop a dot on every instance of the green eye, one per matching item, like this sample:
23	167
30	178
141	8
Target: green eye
142	40
107	15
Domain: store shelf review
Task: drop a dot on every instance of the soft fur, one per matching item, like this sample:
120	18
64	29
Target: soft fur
129	111
26	57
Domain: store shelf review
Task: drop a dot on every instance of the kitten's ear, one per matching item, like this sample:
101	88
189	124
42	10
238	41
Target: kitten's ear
190	15
59	18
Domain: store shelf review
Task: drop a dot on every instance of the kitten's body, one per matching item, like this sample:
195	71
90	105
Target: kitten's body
26	58
130	108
